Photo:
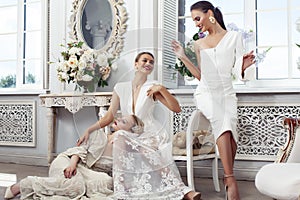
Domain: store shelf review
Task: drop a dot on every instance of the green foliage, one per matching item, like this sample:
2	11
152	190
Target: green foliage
190	53
102	83
30	78
180	66
8	81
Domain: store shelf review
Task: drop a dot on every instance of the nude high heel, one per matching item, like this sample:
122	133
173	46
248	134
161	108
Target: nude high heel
226	186
192	195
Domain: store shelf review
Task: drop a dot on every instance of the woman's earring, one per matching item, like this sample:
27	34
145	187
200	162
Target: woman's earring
212	19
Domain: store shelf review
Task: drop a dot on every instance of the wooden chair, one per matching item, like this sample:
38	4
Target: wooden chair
197	121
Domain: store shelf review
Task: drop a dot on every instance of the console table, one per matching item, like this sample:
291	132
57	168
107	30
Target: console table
73	103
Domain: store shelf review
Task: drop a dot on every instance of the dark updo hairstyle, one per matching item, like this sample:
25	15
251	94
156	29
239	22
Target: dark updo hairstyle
204	6
142	53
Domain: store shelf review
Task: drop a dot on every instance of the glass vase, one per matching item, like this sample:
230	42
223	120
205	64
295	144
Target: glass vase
86	86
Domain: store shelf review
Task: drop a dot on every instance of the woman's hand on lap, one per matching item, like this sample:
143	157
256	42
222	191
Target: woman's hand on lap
70	171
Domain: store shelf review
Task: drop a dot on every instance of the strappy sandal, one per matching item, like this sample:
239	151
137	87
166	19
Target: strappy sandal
226	186
196	196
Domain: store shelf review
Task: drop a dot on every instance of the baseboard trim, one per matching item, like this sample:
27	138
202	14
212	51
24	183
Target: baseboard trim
24	159
243	170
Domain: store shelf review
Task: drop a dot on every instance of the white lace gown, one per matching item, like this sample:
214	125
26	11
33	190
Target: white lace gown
143	166
91	182
215	96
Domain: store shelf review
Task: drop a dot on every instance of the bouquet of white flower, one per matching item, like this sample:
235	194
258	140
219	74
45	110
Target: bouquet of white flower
84	67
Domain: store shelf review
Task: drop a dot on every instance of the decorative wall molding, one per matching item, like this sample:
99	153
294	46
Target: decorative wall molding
73	103
17	123
260	127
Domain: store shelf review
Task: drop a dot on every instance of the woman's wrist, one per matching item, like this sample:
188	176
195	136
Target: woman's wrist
182	57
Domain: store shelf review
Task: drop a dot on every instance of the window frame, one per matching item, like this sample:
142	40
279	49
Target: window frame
21	87
250	20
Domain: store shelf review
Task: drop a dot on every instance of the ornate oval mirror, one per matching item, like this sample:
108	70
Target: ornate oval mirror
100	24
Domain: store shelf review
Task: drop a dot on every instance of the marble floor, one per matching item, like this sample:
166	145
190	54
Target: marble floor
9	173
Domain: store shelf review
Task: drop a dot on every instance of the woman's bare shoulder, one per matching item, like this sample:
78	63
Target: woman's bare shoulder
200	43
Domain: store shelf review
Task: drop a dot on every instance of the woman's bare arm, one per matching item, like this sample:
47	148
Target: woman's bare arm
104	121
159	92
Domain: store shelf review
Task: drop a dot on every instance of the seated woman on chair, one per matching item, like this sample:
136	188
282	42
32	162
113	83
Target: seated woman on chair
143	166
80	171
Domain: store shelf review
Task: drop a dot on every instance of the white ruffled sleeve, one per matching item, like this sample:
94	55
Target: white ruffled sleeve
249	73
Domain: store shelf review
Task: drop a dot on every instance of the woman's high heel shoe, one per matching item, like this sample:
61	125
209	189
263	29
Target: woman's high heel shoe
197	196
9	194
192	195
226	186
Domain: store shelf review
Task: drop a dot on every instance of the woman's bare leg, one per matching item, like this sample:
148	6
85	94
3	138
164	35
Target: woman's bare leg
227	150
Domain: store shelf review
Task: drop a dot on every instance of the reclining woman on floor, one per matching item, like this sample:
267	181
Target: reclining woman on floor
81	172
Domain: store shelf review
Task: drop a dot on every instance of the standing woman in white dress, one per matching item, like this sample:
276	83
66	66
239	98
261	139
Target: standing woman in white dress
219	55
143	166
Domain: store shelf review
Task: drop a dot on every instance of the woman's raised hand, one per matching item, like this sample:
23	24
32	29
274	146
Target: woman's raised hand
153	89
177	49
248	60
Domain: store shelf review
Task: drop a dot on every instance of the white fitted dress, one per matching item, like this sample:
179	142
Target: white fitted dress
215	96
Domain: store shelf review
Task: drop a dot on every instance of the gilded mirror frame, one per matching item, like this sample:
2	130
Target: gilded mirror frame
115	42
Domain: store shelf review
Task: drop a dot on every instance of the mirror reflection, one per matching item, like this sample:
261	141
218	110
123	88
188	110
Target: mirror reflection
100	24
96	23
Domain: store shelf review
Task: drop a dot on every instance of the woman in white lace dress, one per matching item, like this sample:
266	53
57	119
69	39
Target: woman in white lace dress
219	55
81	172
143	166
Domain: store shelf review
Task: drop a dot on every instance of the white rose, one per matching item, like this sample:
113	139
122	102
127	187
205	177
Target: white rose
81	65
75	50
59	66
65	66
88	56
114	66
102	60
73	62
73	74
63	76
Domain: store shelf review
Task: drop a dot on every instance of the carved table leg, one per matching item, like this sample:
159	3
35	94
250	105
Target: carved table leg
102	111
51	116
